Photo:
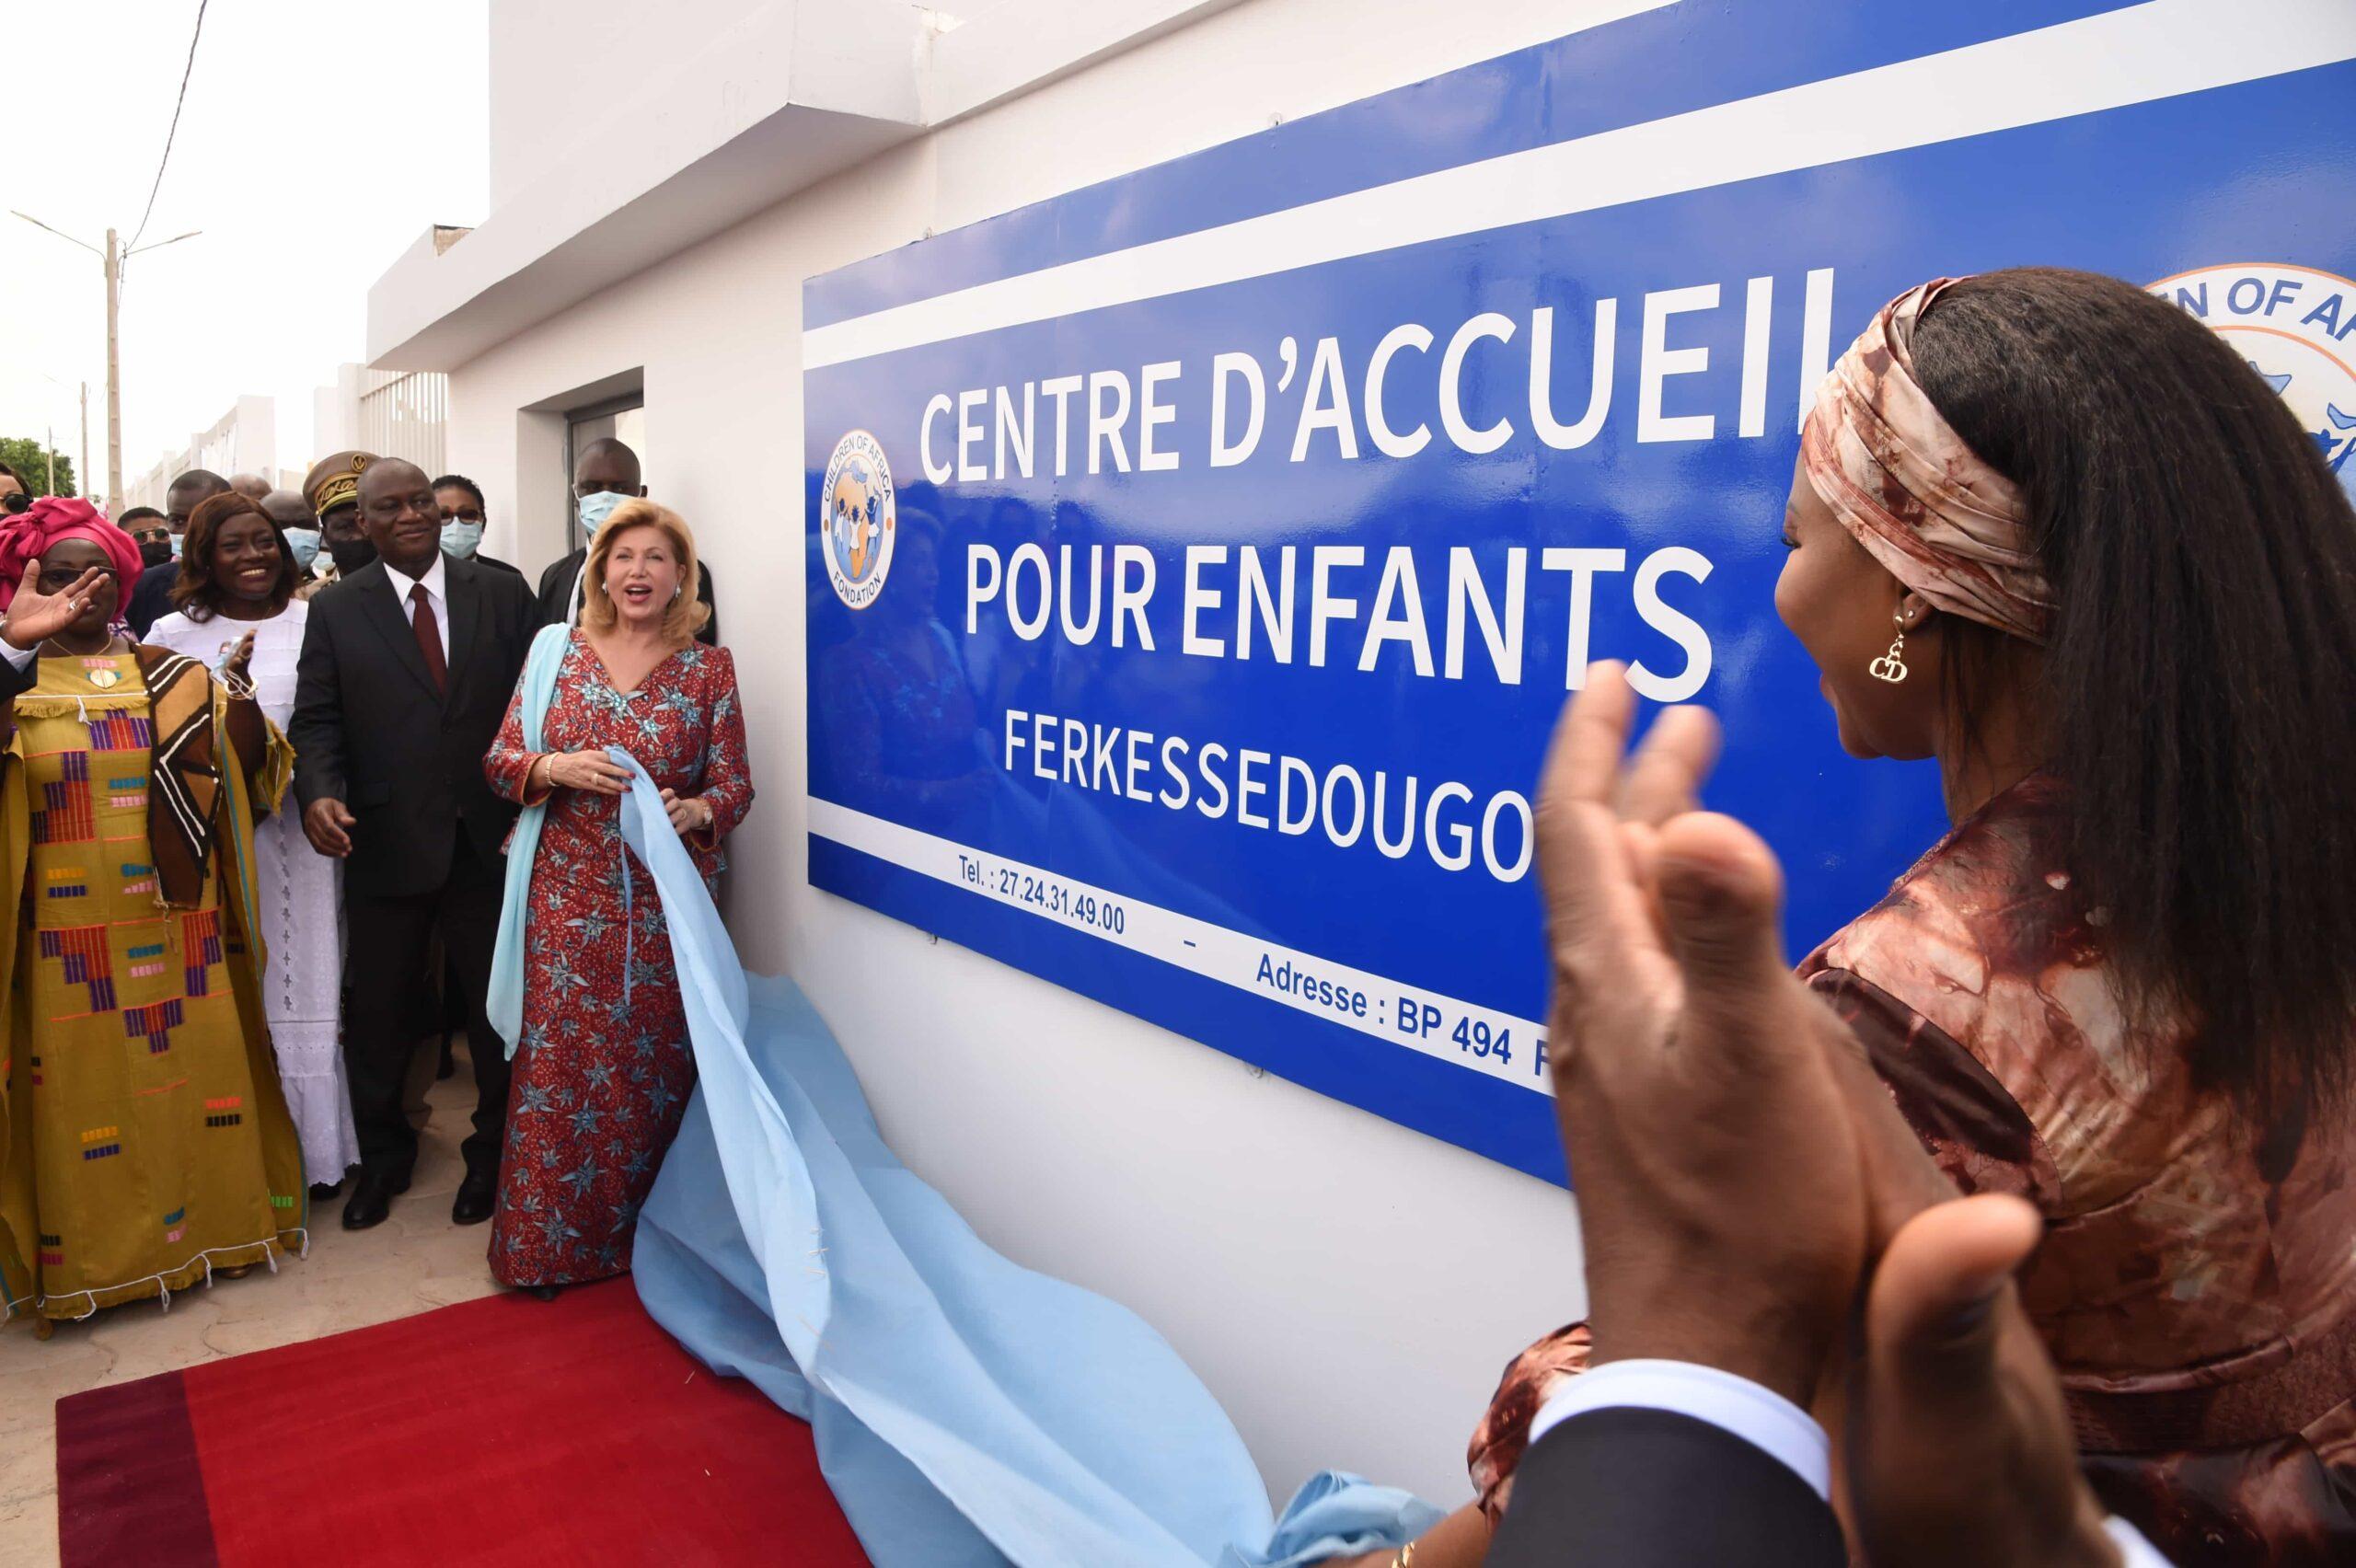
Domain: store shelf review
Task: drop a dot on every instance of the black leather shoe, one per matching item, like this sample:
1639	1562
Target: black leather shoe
322	1190
372	1199
477	1195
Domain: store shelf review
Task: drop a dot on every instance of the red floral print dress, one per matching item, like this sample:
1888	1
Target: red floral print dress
603	1072
2197	1283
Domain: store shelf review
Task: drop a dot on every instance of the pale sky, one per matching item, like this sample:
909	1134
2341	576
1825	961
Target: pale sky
320	138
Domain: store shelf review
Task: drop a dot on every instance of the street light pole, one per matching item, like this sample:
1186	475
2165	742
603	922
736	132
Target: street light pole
84	469
114	375
114	256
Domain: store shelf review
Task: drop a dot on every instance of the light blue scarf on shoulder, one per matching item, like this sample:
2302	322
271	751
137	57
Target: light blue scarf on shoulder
505	1009
967	1412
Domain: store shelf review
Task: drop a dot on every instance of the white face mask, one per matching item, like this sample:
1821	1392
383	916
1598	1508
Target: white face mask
305	543
596	509
462	539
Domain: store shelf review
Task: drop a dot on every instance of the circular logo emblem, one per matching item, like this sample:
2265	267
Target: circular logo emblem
2297	329
857	519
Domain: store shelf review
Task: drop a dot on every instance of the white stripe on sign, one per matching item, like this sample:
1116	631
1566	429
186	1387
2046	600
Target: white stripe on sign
2160	49
1494	1044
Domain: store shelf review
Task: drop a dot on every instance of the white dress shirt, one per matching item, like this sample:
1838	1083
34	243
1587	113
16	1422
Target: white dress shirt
1759	1415
434	596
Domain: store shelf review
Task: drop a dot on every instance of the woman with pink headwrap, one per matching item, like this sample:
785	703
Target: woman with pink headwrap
2050	531
144	1140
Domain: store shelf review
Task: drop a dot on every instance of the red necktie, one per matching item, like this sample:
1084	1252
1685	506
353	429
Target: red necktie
428	637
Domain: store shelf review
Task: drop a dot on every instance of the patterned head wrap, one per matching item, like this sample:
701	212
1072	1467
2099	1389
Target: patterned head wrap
26	537
1902	482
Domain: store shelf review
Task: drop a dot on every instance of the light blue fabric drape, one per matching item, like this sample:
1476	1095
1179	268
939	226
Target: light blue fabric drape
966	1410
504	1008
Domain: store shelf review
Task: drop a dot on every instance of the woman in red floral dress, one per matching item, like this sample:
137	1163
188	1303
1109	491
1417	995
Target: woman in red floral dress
604	1068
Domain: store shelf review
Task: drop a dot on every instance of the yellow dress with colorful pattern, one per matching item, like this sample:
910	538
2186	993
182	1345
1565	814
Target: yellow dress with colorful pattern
143	1141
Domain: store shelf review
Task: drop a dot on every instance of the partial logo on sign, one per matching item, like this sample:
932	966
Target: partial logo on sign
859	519
2297	328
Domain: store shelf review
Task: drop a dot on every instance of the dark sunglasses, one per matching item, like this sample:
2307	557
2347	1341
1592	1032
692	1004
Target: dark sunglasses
16	502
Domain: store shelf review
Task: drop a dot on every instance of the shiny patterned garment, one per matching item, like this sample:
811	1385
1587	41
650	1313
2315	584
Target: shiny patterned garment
2197	1285
604	1070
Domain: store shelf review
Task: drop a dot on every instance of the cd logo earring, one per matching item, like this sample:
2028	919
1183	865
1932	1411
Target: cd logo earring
1891	666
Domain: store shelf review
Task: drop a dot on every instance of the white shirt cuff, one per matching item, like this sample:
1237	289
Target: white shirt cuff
1757	1415
2136	1551
17	657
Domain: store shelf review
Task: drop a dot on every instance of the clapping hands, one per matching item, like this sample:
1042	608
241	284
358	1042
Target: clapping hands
1743	1175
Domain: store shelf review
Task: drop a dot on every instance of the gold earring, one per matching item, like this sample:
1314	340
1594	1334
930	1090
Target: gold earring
1891	666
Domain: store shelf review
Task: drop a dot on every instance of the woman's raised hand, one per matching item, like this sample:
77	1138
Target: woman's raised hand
591	770
34	616
237	667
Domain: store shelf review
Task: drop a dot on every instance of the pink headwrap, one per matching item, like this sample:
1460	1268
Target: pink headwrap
24	538
1922	502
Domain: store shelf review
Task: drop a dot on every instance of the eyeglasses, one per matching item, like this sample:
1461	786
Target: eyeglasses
154	535
54	578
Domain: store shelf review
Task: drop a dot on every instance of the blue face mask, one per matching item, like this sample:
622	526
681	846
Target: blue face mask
462	539
305	543
596	509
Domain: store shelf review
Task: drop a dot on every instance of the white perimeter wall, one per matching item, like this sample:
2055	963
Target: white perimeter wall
1350	1290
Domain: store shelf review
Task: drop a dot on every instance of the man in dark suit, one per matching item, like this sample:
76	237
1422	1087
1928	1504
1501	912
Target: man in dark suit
406	672
604	474
151	599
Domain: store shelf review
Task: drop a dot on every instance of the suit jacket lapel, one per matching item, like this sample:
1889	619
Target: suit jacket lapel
383	611
465	586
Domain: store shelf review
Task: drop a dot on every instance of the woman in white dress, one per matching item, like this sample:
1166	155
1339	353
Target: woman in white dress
237	579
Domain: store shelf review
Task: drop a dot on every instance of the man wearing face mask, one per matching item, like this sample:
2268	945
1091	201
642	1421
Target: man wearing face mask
604	475
152	599
151	531
301	525
331	490
461	501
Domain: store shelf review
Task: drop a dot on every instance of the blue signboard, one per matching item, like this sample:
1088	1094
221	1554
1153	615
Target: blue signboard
1198	560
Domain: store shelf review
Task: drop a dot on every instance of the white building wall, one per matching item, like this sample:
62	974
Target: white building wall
1349	1290
335	412
243	441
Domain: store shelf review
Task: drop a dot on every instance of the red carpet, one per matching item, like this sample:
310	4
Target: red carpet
507	1429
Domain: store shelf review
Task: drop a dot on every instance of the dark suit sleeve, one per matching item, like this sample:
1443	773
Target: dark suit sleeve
556	584
151	596
14	681
711	632
1627	1488
316	726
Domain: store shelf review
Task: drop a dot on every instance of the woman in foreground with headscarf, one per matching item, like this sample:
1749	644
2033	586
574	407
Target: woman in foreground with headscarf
2052	532
143	1141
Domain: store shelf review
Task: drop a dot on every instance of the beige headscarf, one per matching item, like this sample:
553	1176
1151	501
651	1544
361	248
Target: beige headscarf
1922	502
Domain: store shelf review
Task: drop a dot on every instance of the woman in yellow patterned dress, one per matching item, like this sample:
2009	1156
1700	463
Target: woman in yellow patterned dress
143	1143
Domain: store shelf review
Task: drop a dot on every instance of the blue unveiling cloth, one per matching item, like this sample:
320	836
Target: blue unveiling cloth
966	1410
